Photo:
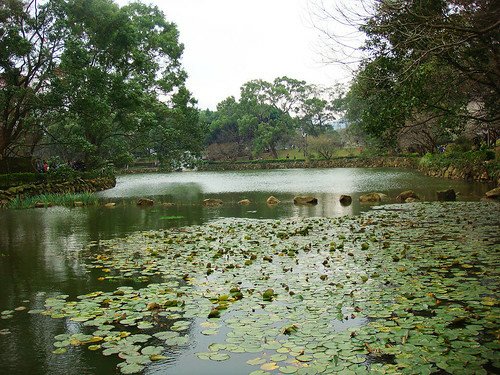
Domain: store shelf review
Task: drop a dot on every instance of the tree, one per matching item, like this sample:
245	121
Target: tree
425	62
325	144
269	124
269	114
30	47
97	81
176	130
116	64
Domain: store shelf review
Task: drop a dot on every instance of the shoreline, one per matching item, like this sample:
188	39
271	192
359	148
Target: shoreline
77	185
468	172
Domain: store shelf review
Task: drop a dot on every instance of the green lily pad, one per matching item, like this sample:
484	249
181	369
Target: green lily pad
288	369
219	356
132	368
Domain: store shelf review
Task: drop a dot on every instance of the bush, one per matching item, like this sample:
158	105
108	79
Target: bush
16	179
456	158
62	173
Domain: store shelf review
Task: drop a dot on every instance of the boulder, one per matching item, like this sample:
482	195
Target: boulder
272	200
110	205
411	200
299	200
371	197
168	204
145	202
78	204
39	205
405	195
446	195
494	193
210	202
244	202
345	200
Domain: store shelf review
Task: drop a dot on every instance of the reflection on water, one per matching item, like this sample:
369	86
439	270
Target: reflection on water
193	186
40	249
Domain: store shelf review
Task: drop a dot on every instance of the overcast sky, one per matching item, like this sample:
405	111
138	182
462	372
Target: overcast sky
230	42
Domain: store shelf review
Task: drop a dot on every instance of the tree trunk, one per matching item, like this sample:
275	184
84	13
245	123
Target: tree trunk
273	151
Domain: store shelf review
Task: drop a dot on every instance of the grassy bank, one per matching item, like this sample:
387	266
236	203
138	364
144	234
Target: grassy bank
62	174
47	200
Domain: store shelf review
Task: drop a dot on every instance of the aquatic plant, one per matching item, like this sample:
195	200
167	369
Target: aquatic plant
68	200
412	289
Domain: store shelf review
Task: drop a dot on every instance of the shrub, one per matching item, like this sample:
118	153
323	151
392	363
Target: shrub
16	179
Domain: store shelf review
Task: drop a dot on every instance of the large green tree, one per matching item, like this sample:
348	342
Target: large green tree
30	47
268	116
117	65
108	83
432	65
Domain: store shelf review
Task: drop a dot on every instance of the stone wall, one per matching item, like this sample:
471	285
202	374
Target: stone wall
475	172
479	172
77	185
375	162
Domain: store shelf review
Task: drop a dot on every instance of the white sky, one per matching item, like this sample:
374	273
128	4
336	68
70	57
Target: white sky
230	42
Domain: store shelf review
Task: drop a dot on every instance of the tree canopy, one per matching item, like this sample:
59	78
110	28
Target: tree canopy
94	81
269	115
429	66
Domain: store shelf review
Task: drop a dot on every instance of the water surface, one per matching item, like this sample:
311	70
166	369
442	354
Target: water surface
40	249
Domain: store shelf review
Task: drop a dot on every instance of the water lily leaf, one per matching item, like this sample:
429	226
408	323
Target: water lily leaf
152	350
131	368
304	358
177	341
157	357
256	361
278	357
166	335
288	369
203	356
219	356
209	332
269	366
35	311
489	301
145	325
61	344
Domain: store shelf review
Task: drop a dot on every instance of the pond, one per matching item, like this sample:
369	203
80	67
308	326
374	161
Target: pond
44	254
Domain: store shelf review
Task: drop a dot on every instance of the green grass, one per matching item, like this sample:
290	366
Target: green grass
68	200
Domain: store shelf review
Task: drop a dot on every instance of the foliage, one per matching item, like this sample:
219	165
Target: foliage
268	116
60	174
30	45
430	69
405	287
222	151
69	199
16	179
460	159
256	161
104	83
325	144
